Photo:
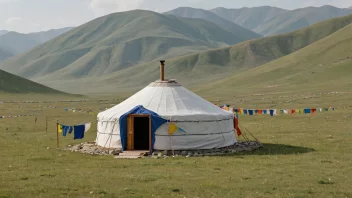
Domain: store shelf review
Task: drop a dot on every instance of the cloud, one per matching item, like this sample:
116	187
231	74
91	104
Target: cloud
103	7
20	24
13	20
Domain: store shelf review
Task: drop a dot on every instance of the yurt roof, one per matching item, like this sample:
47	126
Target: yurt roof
171	101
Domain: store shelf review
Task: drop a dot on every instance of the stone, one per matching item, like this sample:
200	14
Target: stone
115	152
160	154
190	154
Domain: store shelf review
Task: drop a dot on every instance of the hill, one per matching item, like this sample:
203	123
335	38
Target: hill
253	53
325	66
199	68
209	16
272	21
118	41
17	43
10	83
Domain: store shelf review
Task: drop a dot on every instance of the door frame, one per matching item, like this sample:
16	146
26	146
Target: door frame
130	130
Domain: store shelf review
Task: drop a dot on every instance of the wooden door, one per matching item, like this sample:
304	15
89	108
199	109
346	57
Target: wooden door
130	131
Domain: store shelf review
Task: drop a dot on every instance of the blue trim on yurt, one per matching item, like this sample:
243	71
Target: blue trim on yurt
156	120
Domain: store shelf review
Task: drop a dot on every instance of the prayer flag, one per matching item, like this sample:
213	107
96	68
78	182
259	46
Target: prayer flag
87	127
238	130
59	128
173	128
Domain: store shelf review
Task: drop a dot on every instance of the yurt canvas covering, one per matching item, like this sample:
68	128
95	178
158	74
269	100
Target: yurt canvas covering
202	124
165	116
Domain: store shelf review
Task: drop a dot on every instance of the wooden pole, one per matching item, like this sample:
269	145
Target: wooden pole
57	134
46	124
172	147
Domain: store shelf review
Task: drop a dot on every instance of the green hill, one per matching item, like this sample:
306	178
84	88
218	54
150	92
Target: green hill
209	16
17	43
200	68
118	41
253	53
110	69
325	66
272	21
10	83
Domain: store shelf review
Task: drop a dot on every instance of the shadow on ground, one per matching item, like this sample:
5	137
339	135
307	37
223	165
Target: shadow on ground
279	149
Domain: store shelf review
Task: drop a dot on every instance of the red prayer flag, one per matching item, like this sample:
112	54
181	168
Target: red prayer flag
314	110
238	130
293	111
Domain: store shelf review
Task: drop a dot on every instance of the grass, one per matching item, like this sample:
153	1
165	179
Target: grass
303	156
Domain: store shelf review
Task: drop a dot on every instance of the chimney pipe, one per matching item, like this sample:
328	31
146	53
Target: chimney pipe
162	64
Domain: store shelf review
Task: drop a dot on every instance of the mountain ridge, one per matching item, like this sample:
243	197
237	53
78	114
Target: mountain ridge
270	21
17	43
99	46
197	13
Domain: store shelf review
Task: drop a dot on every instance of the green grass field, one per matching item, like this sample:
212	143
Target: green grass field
303	156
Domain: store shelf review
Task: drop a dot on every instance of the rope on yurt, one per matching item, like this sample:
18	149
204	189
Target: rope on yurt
251	134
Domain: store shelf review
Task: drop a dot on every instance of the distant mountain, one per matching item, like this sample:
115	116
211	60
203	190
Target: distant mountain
17	43
5	54
118	41
198	68
273	21
324	66
187	12
3	32
250	18
10	83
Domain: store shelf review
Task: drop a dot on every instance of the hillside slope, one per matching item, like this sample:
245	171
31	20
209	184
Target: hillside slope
17	43
325	66
118	41
199	68
209	16
10	83
272	21
253	53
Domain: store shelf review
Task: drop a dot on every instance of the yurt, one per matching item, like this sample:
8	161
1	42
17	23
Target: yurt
165	116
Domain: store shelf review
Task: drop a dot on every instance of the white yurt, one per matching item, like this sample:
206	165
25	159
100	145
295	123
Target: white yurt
165	116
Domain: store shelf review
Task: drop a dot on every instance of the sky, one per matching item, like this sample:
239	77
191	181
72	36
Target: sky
40	15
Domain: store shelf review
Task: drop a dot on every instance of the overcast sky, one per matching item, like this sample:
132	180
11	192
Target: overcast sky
38	15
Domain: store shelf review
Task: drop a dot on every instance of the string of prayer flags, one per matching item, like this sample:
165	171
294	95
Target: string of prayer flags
78	130
274	112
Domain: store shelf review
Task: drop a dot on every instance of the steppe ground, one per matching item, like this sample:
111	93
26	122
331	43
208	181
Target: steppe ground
303	155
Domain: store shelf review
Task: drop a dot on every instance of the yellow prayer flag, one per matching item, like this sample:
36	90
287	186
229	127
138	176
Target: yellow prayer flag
59	128
172	128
